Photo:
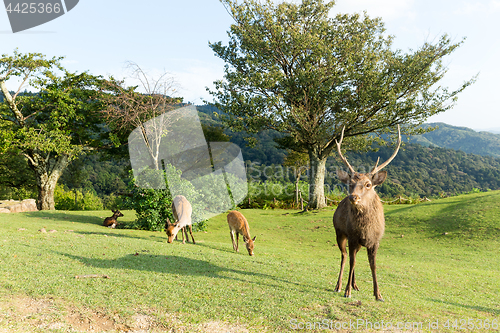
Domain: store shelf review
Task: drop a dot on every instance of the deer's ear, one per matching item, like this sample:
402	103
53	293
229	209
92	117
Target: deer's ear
168	224
379	177
254	238
343	176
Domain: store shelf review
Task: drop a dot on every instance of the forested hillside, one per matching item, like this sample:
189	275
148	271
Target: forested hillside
460	138
424	167
417	170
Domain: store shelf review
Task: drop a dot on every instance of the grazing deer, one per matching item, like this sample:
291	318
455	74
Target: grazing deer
238	225
182	210
359	218
111	222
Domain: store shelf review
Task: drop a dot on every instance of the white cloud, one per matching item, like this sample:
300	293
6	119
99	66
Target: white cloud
193	80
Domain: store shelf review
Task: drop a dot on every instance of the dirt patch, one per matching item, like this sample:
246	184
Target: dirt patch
25	314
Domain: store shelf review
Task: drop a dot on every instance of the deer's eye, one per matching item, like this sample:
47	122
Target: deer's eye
368	185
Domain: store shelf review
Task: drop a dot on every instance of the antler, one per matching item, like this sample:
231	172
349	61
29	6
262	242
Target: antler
380	167
340	152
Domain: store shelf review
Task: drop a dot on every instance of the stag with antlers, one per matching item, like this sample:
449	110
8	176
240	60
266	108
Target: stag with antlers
359	218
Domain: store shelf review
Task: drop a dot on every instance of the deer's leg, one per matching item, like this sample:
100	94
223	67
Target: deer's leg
185	231
353	249
341	242
372	254
354	285
231	232
191	232
182	232
237	240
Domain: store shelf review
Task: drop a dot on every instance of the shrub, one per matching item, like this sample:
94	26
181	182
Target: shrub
76	200
153	206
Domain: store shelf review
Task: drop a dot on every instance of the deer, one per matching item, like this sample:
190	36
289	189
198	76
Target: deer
182	210
359	218
111	222
238	225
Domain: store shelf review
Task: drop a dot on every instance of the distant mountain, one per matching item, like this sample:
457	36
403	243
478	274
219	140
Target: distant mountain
494	130
460	138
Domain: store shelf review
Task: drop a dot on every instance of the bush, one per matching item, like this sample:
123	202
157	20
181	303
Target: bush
153	206
76	200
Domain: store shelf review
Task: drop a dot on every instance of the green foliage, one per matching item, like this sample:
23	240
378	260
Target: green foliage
76	200
53	125
152	204
100	173
152	207
293	68
16	179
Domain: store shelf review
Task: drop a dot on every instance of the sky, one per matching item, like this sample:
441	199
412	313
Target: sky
172	36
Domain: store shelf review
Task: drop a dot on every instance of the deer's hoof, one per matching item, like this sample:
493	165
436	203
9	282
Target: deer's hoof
347	296
380	299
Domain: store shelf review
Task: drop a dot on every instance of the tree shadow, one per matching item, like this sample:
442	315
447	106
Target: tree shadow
110	234
178	265
61	216
224	249
472	307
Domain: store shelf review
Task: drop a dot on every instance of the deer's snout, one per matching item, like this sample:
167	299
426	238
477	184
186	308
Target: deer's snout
354	198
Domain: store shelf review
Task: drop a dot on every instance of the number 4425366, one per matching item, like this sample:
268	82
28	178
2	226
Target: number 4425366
33	7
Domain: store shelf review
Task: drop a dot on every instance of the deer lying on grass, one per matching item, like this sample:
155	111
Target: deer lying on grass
111	222
238	225
182	210
359	218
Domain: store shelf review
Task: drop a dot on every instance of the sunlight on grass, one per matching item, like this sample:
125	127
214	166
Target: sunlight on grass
438	261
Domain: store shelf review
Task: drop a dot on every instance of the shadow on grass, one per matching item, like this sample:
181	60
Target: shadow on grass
62	216
107	233
177	265
472	307
221	249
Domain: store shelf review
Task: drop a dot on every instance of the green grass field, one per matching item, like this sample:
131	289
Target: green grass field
438	269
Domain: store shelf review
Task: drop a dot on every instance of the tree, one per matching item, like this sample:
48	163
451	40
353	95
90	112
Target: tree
292	68
299	163
128	109
51	126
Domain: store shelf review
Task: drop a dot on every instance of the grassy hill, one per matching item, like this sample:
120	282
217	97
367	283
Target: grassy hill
460	138
438	264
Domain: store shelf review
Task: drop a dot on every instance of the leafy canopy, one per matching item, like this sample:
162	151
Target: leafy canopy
60	117
293	68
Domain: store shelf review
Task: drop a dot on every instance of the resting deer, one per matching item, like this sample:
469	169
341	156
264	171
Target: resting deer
111	222
359	218
182	210
238	225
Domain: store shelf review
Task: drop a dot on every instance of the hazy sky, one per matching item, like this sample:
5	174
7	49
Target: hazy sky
163	35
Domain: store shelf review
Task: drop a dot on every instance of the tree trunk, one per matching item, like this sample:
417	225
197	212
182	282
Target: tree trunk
47	172
297	189
316	181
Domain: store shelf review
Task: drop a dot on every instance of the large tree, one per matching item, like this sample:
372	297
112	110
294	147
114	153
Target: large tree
53	124
293	68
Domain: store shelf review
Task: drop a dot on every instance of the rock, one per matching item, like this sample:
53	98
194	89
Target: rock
42	230
11	206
